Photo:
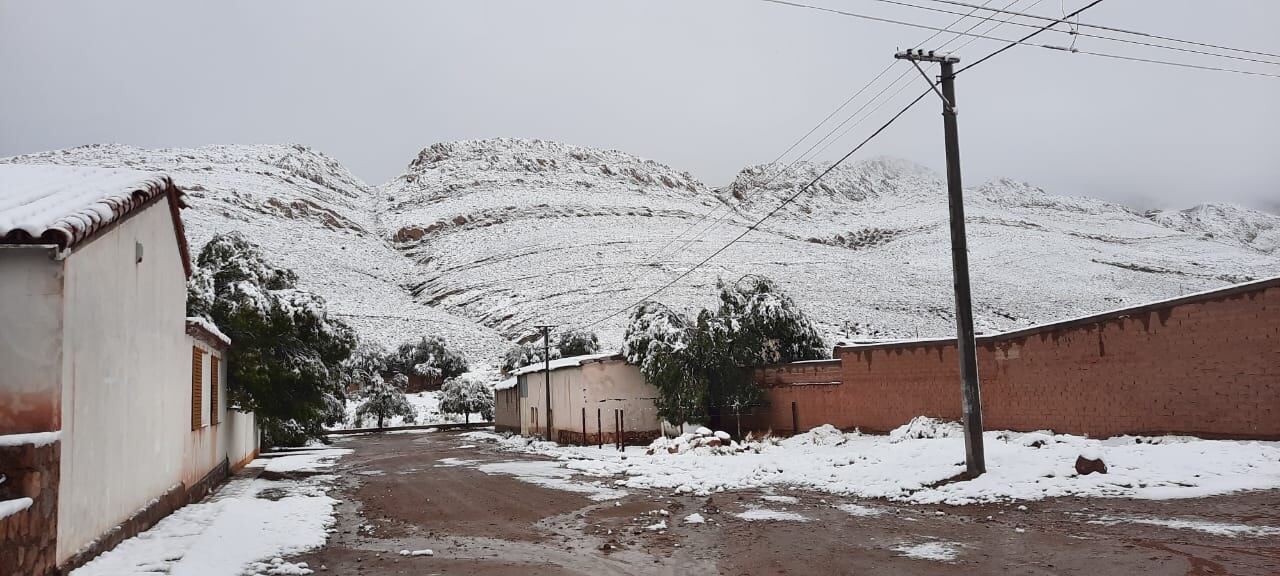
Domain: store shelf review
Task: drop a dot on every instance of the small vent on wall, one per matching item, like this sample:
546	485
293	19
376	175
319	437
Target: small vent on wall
137	252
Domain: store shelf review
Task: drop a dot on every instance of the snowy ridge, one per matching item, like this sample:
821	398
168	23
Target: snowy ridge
1226	222
309	214
480	240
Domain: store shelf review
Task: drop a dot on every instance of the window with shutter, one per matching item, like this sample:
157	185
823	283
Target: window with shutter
197	370
213	390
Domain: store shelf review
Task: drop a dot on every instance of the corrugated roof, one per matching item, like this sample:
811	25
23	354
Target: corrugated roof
66	205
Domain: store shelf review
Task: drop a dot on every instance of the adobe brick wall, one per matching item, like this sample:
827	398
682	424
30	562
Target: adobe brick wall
28	539
1207	365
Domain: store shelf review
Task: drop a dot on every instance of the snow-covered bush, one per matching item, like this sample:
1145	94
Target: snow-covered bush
284	362
467	394
430	357
382	399
926	427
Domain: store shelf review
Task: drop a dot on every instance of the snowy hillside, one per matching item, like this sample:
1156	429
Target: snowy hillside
480	240
514	233
309	214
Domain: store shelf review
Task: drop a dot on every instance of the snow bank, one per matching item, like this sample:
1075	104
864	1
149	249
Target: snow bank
303	462
243	528
908	465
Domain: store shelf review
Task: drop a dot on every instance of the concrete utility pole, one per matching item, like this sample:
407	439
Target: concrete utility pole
975	460
546	370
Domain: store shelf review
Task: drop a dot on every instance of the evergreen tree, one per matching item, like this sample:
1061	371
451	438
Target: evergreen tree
286	350
657	341
430	357
703	366
577	343
522	355
383	399
466	395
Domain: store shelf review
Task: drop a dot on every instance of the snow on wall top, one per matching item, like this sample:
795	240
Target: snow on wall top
196	323
66	204
559	363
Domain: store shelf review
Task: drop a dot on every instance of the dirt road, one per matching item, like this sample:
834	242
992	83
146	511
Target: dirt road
442	492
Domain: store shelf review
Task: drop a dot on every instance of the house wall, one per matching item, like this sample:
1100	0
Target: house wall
611	385
506	410
30	339
1208	365
125	377
566	394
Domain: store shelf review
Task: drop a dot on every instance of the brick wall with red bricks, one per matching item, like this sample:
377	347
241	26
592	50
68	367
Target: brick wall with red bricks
1207	365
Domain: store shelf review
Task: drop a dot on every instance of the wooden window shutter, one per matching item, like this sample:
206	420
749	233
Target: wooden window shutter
213	389
197	369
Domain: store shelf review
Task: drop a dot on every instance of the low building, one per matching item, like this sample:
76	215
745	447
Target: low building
595	399
112	401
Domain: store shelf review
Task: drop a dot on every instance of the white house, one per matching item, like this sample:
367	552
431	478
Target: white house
594	399
112	409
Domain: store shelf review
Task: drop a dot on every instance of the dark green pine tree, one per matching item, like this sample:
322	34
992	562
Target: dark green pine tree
286	353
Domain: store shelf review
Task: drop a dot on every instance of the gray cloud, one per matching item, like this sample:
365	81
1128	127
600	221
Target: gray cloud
706	86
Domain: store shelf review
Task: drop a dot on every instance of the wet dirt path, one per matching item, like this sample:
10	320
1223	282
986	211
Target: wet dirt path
427	491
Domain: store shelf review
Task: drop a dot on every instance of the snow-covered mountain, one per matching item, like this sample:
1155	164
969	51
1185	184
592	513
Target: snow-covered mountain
309	214
481	240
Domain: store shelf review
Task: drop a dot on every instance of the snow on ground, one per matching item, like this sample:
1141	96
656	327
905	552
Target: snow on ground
550	474
860	510
243	528
299	461
753	514
1020	466
1206	526
939	551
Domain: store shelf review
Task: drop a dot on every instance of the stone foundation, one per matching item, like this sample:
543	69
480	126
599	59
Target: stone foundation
28	539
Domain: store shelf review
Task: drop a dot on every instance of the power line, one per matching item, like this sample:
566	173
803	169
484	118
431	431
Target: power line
833	166
1112	29
757	223
827	138
815	128
1086	34
1012	43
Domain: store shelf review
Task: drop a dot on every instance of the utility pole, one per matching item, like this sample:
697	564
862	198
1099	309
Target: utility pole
975	460
546	370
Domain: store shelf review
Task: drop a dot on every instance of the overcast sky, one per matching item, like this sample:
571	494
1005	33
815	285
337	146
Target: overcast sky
704	86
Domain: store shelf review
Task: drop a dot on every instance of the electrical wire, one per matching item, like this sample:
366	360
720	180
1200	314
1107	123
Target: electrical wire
833	166
1111	29
1023	41
1076	33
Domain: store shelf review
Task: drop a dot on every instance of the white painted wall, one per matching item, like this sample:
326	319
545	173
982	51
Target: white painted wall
30	339
125	376
240	433
605	385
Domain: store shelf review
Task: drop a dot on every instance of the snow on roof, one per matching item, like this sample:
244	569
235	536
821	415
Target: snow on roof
198	324
66	204
564	363
507	384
